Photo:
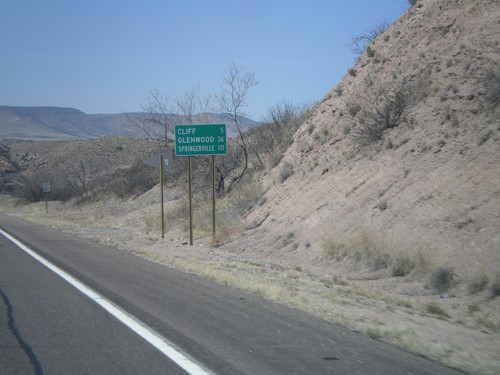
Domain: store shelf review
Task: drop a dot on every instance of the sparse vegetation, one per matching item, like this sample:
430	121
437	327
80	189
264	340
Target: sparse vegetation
383	110
374	333
367	249
495	287
353	109
134	180
442	279
360	42
333	249
485	137
435	309
473	307
478	282
370	51
402	265
492	86
286	171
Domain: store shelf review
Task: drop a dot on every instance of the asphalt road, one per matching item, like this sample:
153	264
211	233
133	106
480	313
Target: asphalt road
49	327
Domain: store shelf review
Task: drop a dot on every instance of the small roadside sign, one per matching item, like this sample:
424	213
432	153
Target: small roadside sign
154	160
46	188
200	140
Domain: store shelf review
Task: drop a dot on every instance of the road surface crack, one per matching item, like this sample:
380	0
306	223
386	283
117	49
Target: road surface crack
22	344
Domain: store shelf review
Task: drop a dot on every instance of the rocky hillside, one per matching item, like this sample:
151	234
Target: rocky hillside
403	152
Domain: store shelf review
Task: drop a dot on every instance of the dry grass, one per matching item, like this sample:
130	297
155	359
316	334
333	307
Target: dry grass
478	281
495	286
433	308
338	299
373	251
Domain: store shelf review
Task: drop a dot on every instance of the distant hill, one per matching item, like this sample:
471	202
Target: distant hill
58	123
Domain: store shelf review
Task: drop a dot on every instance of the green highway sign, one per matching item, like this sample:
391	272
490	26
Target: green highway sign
195	140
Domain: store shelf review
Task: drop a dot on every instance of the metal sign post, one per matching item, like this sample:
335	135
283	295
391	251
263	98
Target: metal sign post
162	161
190	202
161	198
46	188
200	140
213	198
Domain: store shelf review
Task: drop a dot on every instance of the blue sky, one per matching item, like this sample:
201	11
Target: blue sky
105	56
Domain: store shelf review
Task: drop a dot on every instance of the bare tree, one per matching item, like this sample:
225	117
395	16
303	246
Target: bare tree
189	105
232	100
281	122
384	109
29	186
78	179
158	120
361	41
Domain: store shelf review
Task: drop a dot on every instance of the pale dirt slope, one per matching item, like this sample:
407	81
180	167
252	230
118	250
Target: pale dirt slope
433	184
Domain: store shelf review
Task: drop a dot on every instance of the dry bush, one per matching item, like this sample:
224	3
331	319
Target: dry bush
384	110
442	279
333	249
478	282
286	171
229	210
435	309
29	187
492	86
131	181
495	287
368	249
402	265
360	41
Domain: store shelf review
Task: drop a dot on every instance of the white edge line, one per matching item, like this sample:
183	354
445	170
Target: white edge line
158	341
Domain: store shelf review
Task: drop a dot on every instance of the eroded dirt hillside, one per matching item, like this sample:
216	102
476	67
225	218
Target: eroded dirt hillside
430	181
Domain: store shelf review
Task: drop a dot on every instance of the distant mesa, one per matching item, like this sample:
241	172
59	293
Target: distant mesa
59	123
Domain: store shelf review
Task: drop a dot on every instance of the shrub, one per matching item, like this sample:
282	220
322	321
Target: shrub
134	180
370	51
434	309
473	307
386	111
495	287
333	249
492	86
353	109
478	282
442	279
286	171
361	41
402	265
484	137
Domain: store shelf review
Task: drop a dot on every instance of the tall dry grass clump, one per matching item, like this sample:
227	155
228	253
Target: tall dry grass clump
230	211
369	251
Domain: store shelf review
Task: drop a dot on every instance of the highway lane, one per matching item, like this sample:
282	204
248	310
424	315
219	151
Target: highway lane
48	327
228	331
